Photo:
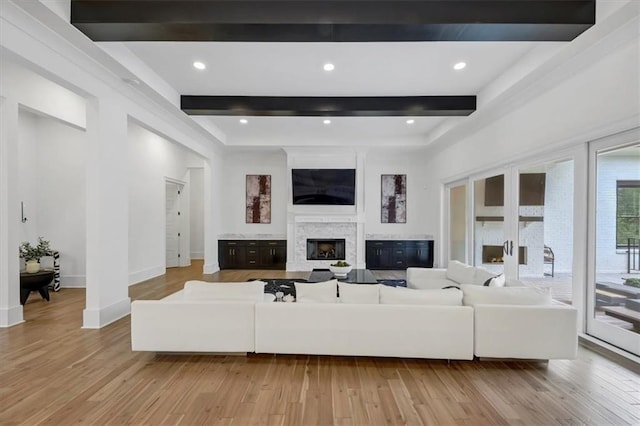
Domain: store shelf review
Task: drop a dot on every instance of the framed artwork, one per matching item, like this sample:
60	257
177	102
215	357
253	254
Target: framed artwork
258	209
394	199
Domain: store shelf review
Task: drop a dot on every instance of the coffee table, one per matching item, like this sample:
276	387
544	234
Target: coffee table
356	276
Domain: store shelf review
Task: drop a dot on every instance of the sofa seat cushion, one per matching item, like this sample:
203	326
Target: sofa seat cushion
461	273
359	293
252	291
481	295
322	292
409	296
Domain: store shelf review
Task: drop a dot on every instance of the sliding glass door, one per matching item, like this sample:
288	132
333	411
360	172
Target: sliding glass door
614	259
457	220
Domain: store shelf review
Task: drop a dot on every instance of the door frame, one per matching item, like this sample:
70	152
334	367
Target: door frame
183	260
446	223
615	336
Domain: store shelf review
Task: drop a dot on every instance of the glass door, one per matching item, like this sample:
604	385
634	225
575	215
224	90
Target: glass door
493	224
458	222
614	259
545	227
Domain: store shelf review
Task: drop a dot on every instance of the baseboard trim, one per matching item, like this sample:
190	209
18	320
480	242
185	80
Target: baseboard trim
615	354
73	281
11	316
210	268
146	274
98	318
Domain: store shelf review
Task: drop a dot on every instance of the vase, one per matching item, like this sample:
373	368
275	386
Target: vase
33	266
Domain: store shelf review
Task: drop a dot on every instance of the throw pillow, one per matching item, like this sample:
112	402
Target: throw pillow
497	281
322	292
409	296
482	276
359	293
460	272
202	290
480	295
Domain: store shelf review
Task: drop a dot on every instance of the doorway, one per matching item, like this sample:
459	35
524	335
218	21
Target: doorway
173	224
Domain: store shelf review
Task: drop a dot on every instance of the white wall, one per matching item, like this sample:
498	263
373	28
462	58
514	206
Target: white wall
42	95
236	166
602	95
558	215
419	194
151	159
196	213
52	158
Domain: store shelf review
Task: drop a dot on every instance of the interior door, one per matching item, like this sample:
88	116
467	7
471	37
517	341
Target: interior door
173	222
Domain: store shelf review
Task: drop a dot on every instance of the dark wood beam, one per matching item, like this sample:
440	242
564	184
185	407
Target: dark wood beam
332	21
321	106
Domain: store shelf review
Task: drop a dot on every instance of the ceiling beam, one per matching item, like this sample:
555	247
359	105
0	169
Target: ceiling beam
332	21
329	106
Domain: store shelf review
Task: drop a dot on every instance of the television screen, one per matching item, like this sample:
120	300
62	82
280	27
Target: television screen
324	186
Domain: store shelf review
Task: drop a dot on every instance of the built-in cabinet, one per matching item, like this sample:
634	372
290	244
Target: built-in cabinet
252	254
399	254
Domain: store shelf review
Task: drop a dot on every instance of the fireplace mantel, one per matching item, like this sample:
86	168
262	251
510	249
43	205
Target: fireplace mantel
328	219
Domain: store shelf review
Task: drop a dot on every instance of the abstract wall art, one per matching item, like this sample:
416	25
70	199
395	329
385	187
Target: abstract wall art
394	199
258	199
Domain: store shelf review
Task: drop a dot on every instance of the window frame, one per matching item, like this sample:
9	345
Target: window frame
625	183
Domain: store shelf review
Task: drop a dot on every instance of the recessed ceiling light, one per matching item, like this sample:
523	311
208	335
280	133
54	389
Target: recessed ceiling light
459	66
329	67
199	65
411	121
327	121
243	121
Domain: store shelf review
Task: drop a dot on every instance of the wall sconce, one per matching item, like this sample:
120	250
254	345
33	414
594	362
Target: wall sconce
24	218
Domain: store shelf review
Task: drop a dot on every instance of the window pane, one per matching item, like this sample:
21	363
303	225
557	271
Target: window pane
628	211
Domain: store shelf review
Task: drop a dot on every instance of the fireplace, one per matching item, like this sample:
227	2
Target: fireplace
493	254
325	249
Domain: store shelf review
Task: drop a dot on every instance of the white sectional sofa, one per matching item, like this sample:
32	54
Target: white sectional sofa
202	317
423	321
510	321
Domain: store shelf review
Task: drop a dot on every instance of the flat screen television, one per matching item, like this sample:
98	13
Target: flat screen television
324	186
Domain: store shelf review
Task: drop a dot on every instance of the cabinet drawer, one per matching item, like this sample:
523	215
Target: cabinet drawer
399	263
398	252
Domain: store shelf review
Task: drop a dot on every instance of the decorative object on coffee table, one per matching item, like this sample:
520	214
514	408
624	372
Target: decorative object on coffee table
394	199
340	269
258	203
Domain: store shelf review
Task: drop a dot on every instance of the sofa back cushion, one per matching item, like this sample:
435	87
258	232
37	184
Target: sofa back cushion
322	292
482	276
252	291
481	295
359	293
409	296
461	273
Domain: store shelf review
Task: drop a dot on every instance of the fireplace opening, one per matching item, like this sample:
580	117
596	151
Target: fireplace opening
325	249
493	254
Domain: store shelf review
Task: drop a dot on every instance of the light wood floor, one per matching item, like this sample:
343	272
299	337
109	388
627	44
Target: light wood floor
54	372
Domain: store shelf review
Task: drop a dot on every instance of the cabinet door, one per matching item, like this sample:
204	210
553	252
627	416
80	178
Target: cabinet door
379	255
419	254
273	255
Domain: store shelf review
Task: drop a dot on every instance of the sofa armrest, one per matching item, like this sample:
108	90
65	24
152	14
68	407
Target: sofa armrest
192	326
427	278
526	332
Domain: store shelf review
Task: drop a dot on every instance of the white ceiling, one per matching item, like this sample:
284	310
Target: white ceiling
361	69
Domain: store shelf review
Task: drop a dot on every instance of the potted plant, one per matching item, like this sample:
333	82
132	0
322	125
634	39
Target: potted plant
32	254
340	269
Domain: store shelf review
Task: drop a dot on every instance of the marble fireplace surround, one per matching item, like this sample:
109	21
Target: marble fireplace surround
302	227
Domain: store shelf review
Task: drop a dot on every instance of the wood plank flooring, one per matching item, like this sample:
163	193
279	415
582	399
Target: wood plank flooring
54	372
